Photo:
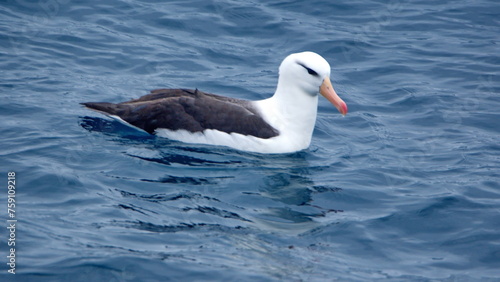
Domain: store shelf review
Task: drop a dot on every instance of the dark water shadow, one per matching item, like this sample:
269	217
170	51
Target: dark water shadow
112	128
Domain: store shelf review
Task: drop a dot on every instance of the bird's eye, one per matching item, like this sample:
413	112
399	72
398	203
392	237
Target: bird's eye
309	70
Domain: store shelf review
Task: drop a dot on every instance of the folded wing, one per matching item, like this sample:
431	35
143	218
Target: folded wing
190	110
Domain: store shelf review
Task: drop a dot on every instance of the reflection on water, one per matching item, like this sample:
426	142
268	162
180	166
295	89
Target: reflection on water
289	193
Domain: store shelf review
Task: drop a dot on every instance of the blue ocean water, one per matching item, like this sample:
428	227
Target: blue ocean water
404	188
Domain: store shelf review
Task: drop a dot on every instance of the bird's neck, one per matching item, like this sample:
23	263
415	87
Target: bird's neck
294	102
292	110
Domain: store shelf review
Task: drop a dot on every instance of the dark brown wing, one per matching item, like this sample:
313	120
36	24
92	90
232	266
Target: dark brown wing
169	93
162	94
191	110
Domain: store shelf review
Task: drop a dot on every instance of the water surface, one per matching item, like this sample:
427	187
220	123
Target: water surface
405	187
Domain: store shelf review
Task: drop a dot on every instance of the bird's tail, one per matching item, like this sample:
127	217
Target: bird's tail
102	107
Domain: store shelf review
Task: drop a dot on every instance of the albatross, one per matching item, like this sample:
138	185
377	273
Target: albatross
283	123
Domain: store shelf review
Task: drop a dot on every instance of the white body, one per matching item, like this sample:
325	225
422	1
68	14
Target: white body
294	136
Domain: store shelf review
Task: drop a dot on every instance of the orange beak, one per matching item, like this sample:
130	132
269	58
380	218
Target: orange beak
326	89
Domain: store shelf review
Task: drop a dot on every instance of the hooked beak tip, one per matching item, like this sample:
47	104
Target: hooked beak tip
326	89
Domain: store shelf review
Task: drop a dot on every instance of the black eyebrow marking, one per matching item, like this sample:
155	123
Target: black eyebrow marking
309	70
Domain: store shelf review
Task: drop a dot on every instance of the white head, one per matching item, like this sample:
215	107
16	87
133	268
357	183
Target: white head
309	72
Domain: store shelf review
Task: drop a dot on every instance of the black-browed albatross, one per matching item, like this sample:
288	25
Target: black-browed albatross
283	123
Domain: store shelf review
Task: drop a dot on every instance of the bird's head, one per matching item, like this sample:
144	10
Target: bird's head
311	73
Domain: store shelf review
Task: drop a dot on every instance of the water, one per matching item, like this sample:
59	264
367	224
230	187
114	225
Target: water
405	187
